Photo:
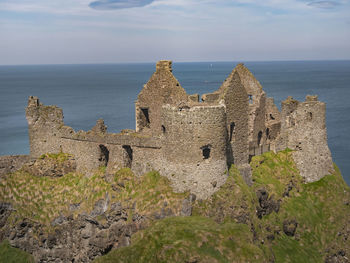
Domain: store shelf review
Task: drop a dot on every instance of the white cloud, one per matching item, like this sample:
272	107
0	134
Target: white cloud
178	29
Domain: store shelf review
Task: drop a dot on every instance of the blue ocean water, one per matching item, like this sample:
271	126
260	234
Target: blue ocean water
89	92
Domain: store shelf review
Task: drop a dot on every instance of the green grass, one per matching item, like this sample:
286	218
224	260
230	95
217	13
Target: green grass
60	157
9	254
215	232
147	193
189	239
220	229
42	199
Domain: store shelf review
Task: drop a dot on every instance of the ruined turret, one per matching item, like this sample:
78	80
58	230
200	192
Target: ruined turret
303	129
43	125
162	88
194	148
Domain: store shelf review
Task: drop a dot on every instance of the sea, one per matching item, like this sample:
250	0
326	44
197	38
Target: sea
89	92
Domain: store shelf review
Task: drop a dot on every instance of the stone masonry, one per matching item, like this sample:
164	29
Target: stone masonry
192	142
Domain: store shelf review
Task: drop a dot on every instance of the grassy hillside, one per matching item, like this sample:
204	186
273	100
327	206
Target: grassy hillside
278	219
189	239
41	199
9	254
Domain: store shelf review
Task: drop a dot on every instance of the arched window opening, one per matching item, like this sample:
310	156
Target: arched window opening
104	155
268	133
259	137
271	117
206	152
232	130
163	129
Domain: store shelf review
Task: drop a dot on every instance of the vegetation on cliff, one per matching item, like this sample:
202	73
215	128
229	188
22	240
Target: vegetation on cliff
277	219
42	199
9	254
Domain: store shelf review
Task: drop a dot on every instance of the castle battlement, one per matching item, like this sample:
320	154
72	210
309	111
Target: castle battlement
193	142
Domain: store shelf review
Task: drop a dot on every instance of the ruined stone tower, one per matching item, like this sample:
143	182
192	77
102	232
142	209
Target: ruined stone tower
304	131
162	88
192	142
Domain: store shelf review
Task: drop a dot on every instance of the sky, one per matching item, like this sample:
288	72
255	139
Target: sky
119	31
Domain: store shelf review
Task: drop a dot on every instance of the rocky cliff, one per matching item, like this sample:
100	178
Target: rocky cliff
57	215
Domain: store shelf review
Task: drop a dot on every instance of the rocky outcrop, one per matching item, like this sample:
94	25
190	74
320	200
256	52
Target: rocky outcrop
289	227
11	163
267	204
48	166
71	239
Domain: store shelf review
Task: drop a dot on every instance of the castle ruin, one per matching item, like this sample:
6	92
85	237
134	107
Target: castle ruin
192	140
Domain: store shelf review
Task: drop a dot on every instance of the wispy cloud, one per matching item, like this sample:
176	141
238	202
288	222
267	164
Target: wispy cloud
144	30
118	4
324	4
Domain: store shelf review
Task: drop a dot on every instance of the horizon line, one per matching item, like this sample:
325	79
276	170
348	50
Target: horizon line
175	61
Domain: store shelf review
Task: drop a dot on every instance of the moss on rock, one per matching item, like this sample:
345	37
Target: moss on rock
10	254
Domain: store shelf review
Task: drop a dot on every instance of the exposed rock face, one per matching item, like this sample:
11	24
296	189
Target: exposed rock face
79	240
81	231
50	167
9	164
266	204
289	227
5	212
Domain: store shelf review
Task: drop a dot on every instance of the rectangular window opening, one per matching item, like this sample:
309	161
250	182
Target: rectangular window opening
144	118
250	99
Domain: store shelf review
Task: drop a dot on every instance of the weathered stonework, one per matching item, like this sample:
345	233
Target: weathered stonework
195	161
304	130
192	142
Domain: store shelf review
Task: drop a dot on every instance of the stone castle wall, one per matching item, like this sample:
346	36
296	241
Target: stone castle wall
162	88
236	100
192	143
304	131
43	124
194	148
91	149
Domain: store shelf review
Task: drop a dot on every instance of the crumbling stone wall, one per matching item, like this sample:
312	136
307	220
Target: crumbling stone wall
191	142
91	149
272	121
304	130
43	125
194	148
234	97
257	104
162	88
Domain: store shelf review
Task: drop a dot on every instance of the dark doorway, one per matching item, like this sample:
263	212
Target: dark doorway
127	155
259	137
206	152
144	118
104	155
232	129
